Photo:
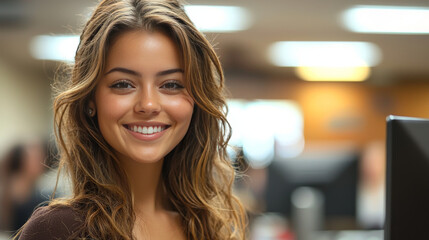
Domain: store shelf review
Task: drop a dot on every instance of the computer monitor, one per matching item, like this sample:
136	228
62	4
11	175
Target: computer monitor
333	173
407	183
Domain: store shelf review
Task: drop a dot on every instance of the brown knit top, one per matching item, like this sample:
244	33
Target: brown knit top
48	223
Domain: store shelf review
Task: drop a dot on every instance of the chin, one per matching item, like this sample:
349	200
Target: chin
145	158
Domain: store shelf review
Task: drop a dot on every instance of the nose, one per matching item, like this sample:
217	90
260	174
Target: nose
148	101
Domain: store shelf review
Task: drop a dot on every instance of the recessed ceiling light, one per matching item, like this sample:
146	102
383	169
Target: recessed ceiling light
387	19
334	74
57	48
324	54
208	18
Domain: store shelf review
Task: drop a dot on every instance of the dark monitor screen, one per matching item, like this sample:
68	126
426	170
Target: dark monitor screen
335	175
407	193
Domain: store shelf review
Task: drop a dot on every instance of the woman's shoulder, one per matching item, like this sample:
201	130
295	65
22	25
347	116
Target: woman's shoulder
52	222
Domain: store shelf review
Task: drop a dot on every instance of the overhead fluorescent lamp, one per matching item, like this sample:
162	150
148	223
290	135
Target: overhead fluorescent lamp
387	19
56	48
324	54
209	18
334	74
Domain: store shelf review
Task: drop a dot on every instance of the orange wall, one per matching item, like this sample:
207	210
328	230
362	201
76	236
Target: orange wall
342	111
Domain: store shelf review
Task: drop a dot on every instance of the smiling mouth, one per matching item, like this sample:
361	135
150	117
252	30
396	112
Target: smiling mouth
147	130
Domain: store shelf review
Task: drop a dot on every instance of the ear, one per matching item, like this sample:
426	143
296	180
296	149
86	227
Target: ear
91	108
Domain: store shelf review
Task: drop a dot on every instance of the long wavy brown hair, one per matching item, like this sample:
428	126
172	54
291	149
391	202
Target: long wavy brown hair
197	174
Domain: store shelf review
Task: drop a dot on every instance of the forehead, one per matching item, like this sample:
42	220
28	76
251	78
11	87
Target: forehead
143	50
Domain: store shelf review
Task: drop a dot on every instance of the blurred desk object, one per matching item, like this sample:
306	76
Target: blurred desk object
272	226
350	235
307	212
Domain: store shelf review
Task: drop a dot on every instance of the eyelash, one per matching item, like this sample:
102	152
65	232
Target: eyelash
122	84
177	85
125	84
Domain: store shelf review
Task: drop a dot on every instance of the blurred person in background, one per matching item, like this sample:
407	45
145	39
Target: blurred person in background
142	132
20	170
371	187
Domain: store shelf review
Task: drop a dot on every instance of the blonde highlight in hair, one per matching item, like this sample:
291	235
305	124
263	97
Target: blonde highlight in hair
197	173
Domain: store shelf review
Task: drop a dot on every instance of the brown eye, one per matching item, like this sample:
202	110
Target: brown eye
173	85
122	85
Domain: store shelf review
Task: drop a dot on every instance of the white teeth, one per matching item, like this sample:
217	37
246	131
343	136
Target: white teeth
146	130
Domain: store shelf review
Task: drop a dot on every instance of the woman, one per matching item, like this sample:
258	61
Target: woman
141	129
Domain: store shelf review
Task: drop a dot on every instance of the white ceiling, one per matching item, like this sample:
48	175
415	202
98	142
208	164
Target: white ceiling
243	53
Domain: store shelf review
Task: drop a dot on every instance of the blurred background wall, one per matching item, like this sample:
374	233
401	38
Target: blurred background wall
342	122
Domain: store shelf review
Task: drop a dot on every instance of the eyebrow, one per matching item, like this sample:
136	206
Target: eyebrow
169	71
132	72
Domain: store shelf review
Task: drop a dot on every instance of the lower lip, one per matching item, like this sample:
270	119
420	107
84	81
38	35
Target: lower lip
146	137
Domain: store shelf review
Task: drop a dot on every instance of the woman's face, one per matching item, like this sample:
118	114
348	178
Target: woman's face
143	107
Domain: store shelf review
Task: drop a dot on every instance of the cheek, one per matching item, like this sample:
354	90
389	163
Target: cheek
181	109
111	108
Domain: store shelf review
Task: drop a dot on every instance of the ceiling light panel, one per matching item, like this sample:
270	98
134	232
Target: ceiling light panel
209	18
324	54
333	74
387	19
56	48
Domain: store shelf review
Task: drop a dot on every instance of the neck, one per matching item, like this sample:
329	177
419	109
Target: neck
146	186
